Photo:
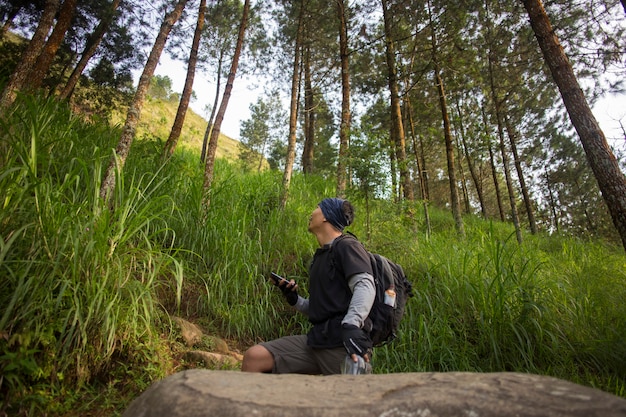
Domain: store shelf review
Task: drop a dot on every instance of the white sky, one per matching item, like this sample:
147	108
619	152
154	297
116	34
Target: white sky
204	88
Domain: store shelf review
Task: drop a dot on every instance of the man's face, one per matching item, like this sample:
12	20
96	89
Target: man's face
316	219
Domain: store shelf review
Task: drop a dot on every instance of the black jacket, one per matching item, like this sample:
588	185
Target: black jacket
329	294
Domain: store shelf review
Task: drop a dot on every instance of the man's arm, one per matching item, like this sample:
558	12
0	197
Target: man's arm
363	295
302	305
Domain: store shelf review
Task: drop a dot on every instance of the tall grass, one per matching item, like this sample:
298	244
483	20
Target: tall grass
86	293
77	282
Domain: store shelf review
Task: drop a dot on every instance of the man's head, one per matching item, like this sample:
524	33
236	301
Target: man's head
337	212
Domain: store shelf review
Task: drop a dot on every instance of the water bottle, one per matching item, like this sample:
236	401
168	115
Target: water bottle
390	297
360	367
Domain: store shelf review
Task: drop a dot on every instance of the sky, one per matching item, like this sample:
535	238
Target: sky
204	87
608	111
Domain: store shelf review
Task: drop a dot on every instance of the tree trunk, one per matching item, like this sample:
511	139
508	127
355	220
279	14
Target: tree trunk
494	171
420	161
582	202
425	181
29	56
44	60
308	151
496	183
497	108
505	161
472	168
551	200
454	192
507	177
466	199
215	131
134	111
209	125
293	110
397	127
344	127
179	120
391	154
530	211
477	181
417	173
90	49
611	179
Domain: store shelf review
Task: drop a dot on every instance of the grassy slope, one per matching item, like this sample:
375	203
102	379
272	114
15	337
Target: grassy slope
157	117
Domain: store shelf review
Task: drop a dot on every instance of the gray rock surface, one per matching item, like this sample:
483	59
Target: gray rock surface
196	393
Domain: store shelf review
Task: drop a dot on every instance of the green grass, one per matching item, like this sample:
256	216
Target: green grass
86	294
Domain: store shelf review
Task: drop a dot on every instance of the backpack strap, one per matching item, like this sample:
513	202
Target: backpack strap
332	253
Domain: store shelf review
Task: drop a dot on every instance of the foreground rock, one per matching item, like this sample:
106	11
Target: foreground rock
196	393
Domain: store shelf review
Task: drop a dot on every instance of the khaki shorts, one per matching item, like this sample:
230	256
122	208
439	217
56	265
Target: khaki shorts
293	356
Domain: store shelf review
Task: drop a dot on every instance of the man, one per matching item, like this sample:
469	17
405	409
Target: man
341	295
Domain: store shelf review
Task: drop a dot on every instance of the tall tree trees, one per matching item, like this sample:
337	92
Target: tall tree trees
172	140
319	85
397	126
261	133
44	60
293	107
447	131
132	118
518	91
217	46
611	179
91	46
530	211
212	147
29	56
470	162
498	113
511	86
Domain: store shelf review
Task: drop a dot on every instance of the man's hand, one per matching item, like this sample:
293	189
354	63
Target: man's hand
289	290
356	342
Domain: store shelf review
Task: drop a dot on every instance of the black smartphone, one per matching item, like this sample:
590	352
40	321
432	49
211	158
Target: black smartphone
277	278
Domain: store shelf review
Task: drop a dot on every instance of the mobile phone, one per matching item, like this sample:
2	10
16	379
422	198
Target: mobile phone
277	278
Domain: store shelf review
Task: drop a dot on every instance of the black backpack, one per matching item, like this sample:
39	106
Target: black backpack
383	320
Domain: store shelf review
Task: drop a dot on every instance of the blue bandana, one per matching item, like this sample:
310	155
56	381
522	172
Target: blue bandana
332	210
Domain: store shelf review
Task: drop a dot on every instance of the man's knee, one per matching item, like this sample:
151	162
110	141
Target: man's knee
257	359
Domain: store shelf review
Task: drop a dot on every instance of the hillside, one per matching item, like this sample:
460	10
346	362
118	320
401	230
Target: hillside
157	117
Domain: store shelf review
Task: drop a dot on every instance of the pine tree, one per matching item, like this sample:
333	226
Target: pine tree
172	140
19	76
611	179
215	131
132	118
